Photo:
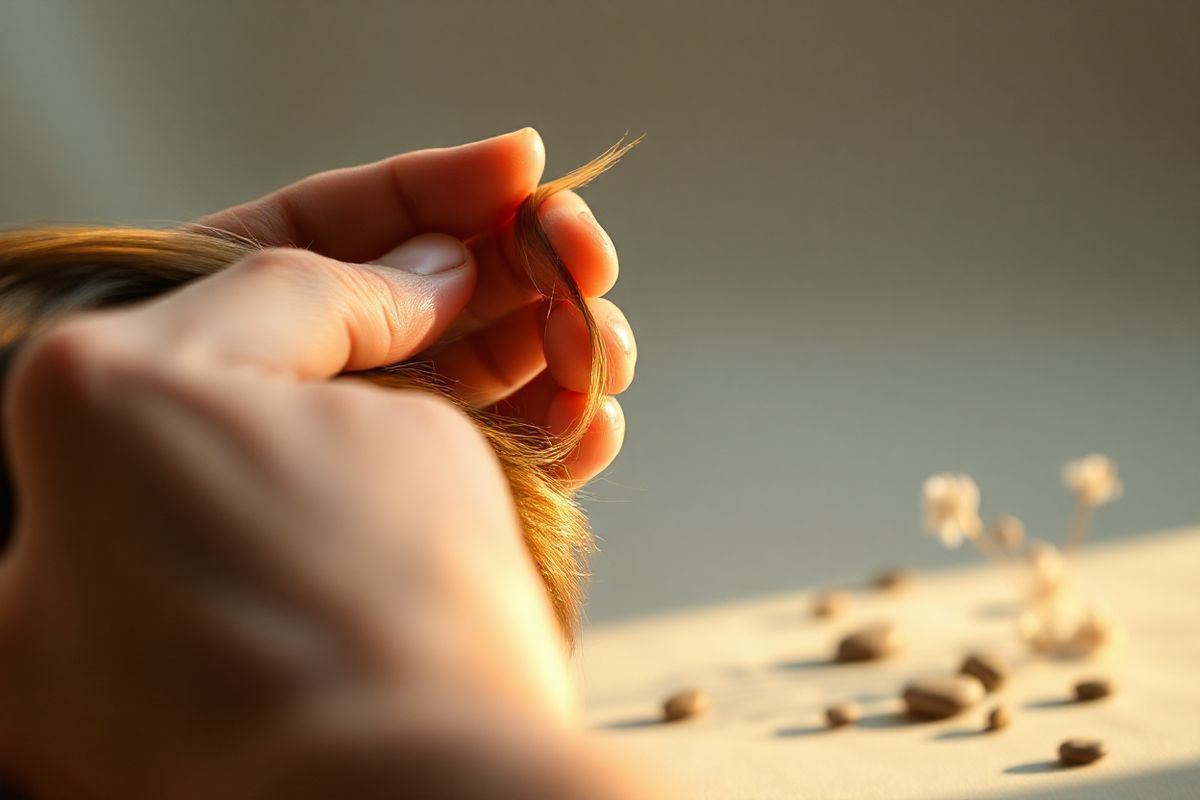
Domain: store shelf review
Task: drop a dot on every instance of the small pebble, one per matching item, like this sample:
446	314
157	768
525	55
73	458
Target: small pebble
991	670
870	643
1075	752
842	714
831	604
938	698
685	705
999	718
894	580
1093	689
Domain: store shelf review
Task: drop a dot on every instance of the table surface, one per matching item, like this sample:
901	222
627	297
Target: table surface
765	664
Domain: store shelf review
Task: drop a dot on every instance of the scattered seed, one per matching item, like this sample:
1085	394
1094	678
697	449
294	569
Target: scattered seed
999	718
870	643
831	604
685	705
938	698
990	668
894	580
1075	752
842	714
1094	689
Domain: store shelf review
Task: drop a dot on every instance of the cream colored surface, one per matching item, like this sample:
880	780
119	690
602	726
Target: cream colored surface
765	663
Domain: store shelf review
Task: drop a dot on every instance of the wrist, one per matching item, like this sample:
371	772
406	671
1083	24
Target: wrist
443	742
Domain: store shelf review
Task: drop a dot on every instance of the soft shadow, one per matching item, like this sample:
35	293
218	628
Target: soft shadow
807	663
960	733
1032	767
1001	609
10	792
800	730
892	719
1175	782
1052	702
626	724
872	697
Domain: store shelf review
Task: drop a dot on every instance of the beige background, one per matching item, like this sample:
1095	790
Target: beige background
862	242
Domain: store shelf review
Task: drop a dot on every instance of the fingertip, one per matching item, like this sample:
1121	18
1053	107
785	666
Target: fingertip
508	166
533	139
432	278
582	244
523	153
568	346
428	254
602	441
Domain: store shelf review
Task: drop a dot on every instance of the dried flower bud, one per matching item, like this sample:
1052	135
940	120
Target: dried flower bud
1094	631
1093	479
1049	569
951	505
1009	532
1036	633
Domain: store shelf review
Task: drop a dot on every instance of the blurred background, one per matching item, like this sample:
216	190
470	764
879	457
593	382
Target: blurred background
862	242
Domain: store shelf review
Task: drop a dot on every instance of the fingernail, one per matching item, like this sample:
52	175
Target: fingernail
587	218
429	254
612	412
535	139
622	333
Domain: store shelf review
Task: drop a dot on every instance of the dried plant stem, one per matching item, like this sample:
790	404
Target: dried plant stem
986	547
1077	530
991	553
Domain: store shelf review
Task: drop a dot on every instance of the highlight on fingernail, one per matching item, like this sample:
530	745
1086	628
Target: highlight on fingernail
621	333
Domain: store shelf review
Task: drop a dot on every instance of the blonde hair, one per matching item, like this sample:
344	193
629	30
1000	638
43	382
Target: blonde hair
48	272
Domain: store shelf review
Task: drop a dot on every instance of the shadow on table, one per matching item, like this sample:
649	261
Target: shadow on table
626	724
998	609
892	719
1033	767
1052	702
795	731
1167	783
961	733
804	664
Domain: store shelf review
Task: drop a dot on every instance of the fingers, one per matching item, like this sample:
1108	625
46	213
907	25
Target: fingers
359	213
299	313
542	402
599	445
504	280
568	348
490	364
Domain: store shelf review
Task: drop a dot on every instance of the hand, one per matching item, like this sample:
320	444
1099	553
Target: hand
235	574
512	349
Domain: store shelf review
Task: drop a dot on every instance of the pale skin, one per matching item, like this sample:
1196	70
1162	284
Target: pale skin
235	574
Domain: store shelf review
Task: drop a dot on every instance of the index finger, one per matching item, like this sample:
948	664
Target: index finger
357	214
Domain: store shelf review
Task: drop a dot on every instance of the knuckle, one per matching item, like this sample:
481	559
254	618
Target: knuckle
285	263
70	360
362	293
440	418
451	443
426	421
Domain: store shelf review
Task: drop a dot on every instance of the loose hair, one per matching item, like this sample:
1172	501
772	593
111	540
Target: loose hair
51	271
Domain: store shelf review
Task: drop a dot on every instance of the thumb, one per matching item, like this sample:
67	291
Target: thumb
301	313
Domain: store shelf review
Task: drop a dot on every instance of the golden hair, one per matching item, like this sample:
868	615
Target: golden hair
47	272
